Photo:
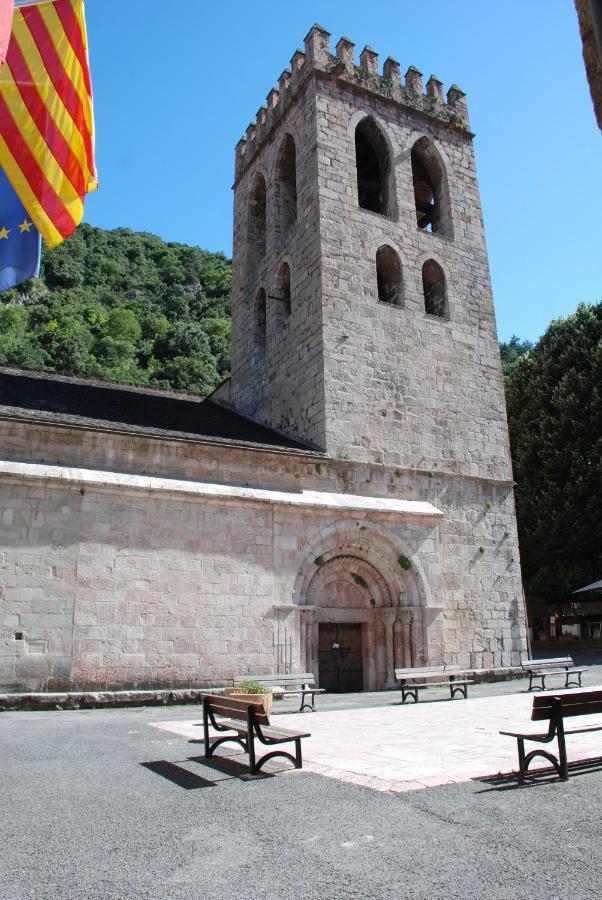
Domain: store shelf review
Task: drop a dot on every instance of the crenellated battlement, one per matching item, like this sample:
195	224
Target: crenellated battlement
451	110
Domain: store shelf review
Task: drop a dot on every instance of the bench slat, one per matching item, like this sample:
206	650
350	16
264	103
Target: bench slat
434	684
270	731
430	671
234	708
296	678
585	704
538	663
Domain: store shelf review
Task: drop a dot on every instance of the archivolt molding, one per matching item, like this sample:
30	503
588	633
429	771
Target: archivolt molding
379	548
342	567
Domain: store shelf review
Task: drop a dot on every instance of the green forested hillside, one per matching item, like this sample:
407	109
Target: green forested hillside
127	306
124	306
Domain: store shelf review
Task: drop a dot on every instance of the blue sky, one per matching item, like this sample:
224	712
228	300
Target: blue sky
177	83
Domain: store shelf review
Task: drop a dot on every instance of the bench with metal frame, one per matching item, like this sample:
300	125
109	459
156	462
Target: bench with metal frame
291	684
555	709
250	723
411	681
542	668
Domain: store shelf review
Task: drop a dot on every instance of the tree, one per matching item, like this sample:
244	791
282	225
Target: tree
554	400
511	351
125	306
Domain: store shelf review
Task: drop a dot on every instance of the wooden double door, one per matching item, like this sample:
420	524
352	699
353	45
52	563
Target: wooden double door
340	657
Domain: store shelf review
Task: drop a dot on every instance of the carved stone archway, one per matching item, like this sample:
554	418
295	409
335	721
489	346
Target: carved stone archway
347	589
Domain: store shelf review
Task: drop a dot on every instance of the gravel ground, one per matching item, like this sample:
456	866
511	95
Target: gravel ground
97	804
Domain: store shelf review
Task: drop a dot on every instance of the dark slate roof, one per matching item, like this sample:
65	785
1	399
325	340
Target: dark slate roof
58	399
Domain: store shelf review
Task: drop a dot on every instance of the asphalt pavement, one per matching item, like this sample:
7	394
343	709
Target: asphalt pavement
100	804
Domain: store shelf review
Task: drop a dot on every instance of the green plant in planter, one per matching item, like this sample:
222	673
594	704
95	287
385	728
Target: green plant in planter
252	687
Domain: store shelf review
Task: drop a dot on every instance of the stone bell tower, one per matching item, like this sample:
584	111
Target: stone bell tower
362	311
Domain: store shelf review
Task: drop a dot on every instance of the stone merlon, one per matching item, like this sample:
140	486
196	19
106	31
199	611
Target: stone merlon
318	59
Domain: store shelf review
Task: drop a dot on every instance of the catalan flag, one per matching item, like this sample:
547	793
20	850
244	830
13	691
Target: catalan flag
46	115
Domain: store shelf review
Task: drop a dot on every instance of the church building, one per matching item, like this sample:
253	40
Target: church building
343	504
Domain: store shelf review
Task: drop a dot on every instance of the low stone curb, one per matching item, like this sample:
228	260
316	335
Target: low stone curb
100	699
171	697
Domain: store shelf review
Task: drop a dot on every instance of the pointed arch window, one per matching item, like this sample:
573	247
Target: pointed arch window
375	180
256	225
431	191
435	290
388	276
281	298
286	186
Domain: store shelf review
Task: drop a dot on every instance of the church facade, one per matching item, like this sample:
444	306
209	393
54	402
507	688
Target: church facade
344	503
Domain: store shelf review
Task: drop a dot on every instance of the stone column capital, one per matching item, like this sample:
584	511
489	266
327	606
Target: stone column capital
388	615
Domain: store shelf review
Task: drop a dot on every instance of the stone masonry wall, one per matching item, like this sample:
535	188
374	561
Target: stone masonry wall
139	589
404	387
282	383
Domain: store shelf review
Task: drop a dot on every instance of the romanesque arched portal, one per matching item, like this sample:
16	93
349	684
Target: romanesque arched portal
363	611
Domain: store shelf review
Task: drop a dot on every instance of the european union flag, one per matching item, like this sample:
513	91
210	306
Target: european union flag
20	242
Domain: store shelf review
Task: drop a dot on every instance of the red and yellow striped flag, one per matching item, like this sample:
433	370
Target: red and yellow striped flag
46	115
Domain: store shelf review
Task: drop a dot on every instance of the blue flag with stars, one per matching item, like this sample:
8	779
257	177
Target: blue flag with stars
20	242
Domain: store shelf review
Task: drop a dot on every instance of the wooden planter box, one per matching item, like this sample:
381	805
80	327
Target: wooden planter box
262	700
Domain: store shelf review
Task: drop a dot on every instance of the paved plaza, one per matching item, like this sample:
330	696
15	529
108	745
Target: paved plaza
121	804
395	748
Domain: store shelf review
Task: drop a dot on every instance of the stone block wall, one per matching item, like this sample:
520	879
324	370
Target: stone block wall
138	588
404	387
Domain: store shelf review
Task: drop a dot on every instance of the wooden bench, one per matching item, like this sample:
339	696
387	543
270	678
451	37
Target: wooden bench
250	723
542	668
555	709
291	685
411	681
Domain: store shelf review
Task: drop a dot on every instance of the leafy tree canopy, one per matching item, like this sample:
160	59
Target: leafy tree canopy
511	351
124	306
554	399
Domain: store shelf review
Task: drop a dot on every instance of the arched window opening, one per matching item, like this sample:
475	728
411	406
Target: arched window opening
435	294
375	184
256	224
282	296
431	195
388	276
260	320
286	186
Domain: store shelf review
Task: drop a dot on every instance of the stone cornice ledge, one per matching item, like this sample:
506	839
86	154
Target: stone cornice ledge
124	481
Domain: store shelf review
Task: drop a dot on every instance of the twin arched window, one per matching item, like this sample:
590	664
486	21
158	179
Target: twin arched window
388	276
435	291
389	282
279	308
285	205
431	194
285	186
256	225
376	180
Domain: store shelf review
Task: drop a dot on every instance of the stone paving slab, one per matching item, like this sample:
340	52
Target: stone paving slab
404	748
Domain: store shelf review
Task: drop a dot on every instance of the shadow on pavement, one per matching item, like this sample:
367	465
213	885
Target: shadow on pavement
231	767
177	775
538	777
